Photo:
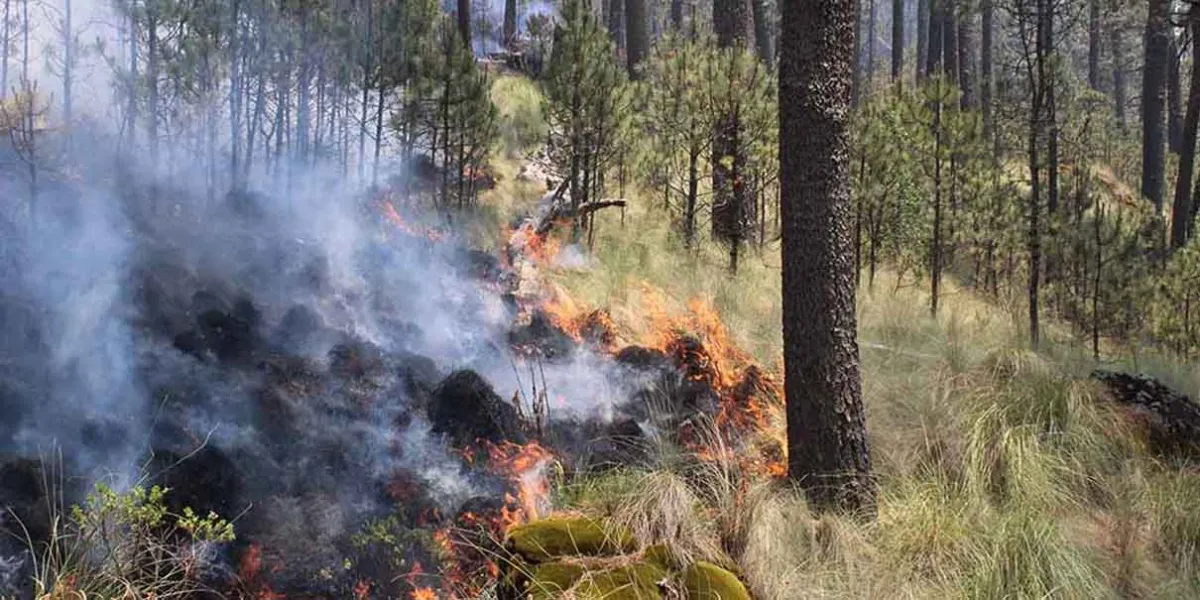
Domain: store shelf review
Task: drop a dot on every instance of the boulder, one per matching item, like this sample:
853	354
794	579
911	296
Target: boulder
706	581
547	539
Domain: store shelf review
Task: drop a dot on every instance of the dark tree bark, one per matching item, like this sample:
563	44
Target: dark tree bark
510	22
856	75
764	41
933	58
922	39
616	24
1181	214
734	29
1154	82
464	23
1117	44
677	15
870	40
949	40
897	39
828	454
966	60
986	80
1094	44
637	31
1174	97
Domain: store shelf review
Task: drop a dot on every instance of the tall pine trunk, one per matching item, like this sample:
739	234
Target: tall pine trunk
1117	46
637	31
828	453
1174	97
1181	225
1094	44
1154	82
897	39
986	79
923	9
764	39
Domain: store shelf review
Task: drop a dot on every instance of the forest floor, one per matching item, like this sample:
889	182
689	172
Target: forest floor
1003	472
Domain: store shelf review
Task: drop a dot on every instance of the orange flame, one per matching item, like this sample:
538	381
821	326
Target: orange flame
389	211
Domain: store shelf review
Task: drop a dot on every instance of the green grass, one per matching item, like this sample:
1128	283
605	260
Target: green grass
1004	473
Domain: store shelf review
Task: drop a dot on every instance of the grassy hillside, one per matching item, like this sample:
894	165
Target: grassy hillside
1004	473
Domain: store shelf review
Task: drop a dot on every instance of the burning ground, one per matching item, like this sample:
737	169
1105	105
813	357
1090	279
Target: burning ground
371	404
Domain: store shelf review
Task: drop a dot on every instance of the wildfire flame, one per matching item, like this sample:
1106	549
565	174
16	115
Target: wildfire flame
392	215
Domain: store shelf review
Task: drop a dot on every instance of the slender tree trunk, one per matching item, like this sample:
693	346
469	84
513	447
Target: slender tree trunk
856	75
1174	97
378	136
1154	75
68	63
637	44
828	453
1094	44
935	240
933	59
4	52
897	39
616	24
464	24
986	79
734	29
869	38
923	10
949	40
967	50
235	95
677	15
510	23
763	38
1117	43
1182	209
152	79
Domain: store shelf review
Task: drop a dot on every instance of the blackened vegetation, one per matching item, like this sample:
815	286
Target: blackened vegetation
316	414
1171	419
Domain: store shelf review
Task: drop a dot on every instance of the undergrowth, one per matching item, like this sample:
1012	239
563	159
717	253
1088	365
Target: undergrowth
1004	472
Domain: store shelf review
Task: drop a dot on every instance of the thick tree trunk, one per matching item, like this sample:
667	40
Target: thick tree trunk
1154	81
637	31
897	39
1182	210
677	15
828	454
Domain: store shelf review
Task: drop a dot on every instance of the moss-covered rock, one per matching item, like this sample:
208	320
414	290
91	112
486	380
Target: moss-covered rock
706	581
638	581
545	540
549	580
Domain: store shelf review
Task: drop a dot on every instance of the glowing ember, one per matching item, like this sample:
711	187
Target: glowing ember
423	594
